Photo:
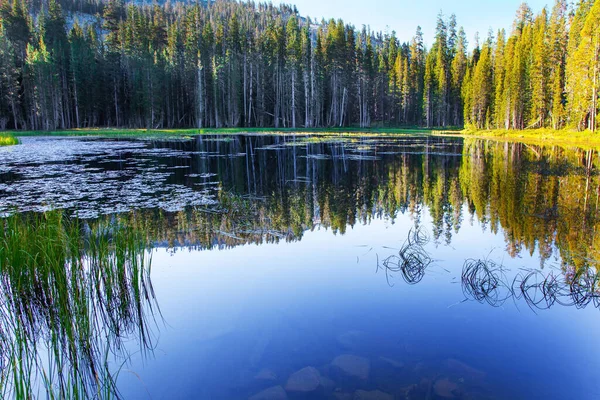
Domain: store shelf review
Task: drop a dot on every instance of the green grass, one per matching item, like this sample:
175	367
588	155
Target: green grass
71	292
8	139
233	131
540	136
536	136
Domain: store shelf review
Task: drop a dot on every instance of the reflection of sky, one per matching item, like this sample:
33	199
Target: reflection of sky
230	313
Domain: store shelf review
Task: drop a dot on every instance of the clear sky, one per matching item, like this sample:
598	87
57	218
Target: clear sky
403	16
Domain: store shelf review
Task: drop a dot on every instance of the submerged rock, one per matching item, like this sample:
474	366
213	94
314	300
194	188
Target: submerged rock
327	383
415	392
372	395
265	374
273	393
306	380
353	366
445	388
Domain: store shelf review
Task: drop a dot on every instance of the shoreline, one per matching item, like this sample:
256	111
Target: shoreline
235	131
539	136
546	137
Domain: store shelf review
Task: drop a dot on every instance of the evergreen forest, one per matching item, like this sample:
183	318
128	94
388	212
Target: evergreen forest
68	64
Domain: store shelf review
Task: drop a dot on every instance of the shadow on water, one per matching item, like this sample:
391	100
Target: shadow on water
74	293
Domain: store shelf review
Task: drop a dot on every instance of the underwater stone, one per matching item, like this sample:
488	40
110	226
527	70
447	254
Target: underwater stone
273	393
354	366
445	388
327	383
306	380
266	375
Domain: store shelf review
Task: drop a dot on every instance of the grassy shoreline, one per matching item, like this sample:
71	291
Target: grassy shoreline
234	131
538	136
533	136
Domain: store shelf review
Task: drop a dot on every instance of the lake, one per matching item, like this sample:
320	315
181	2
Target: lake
329	267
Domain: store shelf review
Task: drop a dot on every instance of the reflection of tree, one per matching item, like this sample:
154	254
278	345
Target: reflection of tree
542	198
537	195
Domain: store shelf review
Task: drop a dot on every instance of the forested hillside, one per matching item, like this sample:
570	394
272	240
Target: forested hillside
70	63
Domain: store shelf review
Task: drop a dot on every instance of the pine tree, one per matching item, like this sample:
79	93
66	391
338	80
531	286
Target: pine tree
499	79
482	86
540	72
294	54
459	69
558	36
229	63
588	58
573	73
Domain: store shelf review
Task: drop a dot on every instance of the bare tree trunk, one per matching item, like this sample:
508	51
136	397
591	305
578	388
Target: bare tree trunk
313	106
245	88
595	88
360	102
14	112
277	98
293	98
343	107
76	103
306	98
200	96
116	102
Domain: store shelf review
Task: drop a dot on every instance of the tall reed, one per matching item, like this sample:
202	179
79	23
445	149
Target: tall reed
73	292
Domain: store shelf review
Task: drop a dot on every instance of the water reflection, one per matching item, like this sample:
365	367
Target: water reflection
541	198
264	320
74	294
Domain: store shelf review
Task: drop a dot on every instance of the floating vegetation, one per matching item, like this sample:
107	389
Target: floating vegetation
411	261
42	180
542	292
484	281
74	293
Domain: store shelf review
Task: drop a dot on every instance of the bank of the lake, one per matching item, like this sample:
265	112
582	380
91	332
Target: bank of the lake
111	132
539	136
531	136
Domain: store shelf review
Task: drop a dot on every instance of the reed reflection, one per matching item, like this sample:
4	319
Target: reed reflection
74	294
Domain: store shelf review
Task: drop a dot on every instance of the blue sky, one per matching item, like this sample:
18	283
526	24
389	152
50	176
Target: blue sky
403	16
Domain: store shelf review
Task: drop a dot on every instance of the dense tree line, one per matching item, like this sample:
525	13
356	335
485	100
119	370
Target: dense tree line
87	63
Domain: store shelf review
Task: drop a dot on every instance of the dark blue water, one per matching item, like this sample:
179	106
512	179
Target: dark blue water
275	285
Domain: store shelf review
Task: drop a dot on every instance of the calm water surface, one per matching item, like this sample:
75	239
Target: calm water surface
323	267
